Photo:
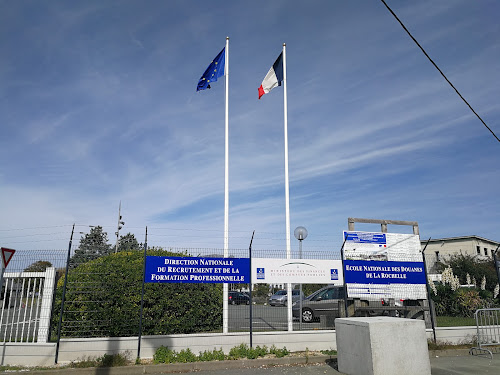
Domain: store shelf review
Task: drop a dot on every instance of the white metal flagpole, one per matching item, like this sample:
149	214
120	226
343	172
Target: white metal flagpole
287	193
225	318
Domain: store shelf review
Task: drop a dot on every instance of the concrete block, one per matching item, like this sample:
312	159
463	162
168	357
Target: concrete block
382	345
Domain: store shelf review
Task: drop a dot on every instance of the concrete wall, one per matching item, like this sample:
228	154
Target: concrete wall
37	354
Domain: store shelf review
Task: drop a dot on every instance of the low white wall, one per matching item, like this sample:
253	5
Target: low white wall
37	354
71	349
27	354
454	335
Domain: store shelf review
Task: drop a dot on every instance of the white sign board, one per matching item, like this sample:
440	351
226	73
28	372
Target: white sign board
296	271
389	252
382	246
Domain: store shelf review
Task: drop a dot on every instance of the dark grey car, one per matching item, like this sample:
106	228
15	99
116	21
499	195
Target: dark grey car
324	301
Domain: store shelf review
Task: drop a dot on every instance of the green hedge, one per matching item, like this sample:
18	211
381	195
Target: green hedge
103	299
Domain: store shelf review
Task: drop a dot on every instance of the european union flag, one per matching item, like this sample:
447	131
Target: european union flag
214	71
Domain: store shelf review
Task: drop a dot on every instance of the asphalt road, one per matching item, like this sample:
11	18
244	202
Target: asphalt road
264	318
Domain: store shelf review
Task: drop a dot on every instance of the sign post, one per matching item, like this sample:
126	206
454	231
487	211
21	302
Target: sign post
6	257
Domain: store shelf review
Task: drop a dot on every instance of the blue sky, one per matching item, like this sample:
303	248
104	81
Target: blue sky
98	104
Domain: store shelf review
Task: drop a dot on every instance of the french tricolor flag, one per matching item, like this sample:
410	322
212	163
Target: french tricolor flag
273	78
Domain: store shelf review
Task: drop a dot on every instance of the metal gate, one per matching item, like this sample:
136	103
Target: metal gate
26	306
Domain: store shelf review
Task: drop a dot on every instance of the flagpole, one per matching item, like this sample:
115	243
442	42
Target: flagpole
287	192
225	315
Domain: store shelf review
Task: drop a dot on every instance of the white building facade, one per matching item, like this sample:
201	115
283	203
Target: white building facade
441	249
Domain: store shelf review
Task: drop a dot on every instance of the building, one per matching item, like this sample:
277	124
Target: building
440	249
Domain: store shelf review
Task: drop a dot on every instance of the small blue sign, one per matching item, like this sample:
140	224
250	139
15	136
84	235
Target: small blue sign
334	273
383	272
197	270
365	237
261	274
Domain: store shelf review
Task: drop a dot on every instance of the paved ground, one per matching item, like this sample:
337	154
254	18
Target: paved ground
453	365
445	363
471	365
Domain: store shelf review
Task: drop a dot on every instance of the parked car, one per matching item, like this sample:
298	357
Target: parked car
328	300
236	298
280	297
324	301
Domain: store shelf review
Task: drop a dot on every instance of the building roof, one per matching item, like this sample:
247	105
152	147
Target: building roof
461	238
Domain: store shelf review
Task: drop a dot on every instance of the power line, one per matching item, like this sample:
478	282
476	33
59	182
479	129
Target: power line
433	63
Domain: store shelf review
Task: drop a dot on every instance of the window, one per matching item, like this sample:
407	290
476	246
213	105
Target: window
485	251
438	258
478	250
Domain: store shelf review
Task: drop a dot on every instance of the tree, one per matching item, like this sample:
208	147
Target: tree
39	266
92	245
129	242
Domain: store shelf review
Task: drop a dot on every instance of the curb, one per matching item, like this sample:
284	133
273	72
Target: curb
184	367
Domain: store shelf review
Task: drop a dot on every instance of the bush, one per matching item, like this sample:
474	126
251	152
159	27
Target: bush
185	356
240	351
103	298
476	268
279	352
215	355
164	355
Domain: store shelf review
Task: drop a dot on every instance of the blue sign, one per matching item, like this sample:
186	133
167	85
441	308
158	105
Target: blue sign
197	270
261	274
334	274
384	272
365	237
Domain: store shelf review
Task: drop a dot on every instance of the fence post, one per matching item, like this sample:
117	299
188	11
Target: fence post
250	289
63	296
431	310
142	297
46	309
343	276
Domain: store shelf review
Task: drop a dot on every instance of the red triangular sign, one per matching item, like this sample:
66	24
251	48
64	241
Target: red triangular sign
7	255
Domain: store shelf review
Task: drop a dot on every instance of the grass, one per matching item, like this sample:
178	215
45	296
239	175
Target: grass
454	321
444	345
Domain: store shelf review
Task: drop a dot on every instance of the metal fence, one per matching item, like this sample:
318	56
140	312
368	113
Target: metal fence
488	331
103	297
103	293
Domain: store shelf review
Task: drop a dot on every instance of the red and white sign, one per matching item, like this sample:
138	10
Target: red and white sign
7	255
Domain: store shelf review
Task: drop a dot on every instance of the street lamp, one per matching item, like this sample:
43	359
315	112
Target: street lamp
300	233
120	223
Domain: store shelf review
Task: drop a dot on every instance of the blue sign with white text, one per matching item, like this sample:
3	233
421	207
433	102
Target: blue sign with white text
365	237
261	273
384	272
334	274
197	270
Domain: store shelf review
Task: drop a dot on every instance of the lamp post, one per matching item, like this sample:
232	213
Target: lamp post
120	223
300	233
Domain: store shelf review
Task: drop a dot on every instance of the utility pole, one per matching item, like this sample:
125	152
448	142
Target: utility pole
119	226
